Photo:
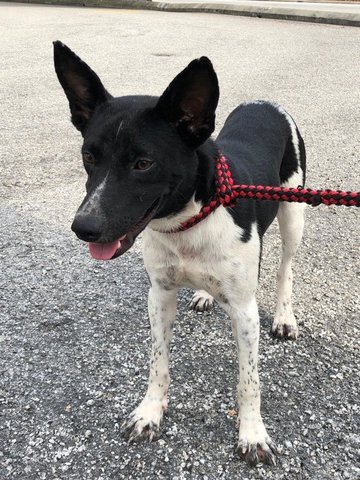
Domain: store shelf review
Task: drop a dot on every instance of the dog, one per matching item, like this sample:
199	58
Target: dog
150	167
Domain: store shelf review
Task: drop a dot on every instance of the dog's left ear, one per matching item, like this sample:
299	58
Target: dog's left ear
190	102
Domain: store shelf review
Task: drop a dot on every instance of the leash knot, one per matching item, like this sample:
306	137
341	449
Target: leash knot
224	182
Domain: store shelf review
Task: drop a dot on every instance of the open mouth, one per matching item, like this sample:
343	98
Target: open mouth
111	250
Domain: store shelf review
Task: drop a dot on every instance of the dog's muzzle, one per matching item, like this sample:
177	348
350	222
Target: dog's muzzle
90	229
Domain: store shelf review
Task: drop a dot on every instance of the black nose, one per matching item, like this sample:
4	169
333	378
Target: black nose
87	228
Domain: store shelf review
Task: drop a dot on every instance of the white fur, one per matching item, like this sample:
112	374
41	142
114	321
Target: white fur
93	202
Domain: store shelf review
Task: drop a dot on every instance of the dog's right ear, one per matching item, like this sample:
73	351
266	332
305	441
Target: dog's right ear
81	85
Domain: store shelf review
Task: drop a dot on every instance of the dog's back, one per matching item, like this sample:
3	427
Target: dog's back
262	146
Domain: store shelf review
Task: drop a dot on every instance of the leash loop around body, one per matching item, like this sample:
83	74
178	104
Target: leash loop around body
227	194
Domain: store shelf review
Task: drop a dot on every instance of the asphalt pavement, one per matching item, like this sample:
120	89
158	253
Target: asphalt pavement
74	332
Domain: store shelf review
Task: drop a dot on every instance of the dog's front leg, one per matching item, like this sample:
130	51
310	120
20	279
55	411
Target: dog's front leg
254	443
145	420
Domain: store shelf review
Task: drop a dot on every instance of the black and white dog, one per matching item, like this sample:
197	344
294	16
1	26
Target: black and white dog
150	166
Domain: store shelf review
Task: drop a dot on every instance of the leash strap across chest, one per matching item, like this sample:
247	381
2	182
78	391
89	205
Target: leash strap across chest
227	194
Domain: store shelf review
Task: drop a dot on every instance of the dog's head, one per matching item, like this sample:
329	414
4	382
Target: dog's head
139	152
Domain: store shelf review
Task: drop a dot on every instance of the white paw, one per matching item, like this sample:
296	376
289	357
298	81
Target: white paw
255	445
284	326
144	422
201	301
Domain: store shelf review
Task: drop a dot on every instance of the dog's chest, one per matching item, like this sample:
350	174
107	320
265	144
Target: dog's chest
191	267
211	256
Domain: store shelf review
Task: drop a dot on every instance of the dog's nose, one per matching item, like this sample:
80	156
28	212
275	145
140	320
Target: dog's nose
87	228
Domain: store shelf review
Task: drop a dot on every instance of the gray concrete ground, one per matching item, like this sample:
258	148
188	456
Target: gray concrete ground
74	333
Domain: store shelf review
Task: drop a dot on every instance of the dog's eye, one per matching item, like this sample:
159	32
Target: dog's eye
88	158
143	164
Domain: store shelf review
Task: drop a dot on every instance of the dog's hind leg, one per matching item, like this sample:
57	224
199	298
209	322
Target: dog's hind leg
145	420
291	222
201	301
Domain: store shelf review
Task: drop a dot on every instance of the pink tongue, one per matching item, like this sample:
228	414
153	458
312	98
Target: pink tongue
104	251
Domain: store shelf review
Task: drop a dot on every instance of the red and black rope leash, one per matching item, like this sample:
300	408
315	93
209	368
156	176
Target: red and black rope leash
226	194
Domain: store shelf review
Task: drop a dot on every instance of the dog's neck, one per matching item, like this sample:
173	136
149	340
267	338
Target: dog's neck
190	201
205	187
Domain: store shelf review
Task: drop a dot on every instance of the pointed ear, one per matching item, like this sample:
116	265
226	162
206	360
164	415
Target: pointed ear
190	101
81	85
